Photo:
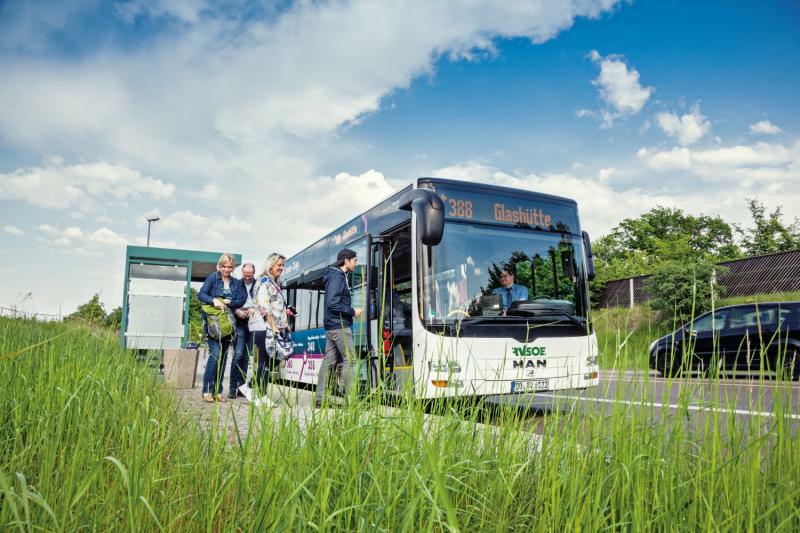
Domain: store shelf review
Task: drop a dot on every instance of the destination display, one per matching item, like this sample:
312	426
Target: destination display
541	213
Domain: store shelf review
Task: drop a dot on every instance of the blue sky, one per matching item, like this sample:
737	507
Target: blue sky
238	116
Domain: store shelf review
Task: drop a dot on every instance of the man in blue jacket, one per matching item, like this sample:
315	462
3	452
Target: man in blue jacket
339	314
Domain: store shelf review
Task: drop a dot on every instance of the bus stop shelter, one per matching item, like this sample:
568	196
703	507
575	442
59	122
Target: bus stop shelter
155	300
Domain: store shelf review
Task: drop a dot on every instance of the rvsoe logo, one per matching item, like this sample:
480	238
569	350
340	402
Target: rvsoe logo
528	351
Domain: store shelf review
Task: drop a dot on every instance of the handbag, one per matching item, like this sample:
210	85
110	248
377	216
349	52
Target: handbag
282	342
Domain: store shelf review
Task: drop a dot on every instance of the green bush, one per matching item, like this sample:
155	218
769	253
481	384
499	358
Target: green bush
682	290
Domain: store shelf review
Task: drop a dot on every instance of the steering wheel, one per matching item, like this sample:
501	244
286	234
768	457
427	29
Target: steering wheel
456	312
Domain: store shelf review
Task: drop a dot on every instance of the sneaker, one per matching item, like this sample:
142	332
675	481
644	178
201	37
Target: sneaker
208	397
221	398
264	402
246	391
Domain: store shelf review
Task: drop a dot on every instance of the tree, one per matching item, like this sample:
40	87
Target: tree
681	291
641	245
769	234
665	233
114	318
92	313
195	317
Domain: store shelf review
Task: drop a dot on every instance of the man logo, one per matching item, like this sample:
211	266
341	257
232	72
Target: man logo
530	363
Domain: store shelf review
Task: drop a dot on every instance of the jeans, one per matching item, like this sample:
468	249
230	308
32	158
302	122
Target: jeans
215	366
264	360
241	358
339	348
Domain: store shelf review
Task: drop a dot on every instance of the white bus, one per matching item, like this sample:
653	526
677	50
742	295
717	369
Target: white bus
428	278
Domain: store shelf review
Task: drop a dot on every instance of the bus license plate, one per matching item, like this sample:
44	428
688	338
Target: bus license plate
530	386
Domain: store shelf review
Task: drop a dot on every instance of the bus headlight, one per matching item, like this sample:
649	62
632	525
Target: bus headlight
444	366
591	361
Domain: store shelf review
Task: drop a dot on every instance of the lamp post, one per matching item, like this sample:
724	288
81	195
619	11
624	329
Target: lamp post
150	220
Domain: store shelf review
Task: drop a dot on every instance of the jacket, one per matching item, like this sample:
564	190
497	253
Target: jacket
267	295
213	287
338	309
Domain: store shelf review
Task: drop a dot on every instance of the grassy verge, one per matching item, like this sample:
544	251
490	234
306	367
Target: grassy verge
88	439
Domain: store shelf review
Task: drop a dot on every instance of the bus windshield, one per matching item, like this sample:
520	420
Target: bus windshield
465	276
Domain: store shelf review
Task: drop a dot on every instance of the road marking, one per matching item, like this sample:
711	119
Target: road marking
695	381
672	406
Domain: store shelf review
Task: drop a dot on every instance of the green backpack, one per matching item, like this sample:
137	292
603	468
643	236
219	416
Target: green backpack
219	322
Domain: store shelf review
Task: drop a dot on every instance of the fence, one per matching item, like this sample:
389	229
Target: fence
14	312
778	272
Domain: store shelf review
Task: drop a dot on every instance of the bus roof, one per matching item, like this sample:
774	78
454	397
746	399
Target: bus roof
386	215
486	188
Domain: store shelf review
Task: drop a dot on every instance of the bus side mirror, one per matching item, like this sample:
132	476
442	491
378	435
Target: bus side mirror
587	245
429	209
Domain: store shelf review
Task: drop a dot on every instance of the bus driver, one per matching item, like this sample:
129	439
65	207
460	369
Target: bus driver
509	291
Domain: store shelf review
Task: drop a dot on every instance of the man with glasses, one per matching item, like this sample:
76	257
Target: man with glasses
244	337
509	291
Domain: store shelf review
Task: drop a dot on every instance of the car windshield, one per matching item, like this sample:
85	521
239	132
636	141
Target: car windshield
465	276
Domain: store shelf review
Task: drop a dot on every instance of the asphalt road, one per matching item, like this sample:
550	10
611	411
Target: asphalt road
745	399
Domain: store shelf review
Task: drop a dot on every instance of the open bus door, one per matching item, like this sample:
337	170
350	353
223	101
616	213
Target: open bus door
390	314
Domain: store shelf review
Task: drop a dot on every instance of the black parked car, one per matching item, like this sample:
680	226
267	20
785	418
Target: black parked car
747	337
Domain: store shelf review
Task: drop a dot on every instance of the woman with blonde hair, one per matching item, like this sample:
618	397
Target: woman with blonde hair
223	291
269	317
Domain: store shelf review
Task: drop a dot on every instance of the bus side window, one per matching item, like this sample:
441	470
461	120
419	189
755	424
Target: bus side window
312	315
321	309
288	296
303	308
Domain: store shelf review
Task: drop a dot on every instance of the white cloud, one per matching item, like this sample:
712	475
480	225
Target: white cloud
619	88
56	185
183	10
13	230
761	162
687	129
209	192
222	96
676	158
74	236
218	230
764	127
604	174
346	193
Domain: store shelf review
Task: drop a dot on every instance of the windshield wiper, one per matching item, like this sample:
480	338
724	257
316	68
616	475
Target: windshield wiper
471	320
545	311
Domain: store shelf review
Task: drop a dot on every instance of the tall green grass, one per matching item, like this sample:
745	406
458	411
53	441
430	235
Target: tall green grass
624	336
768	297
90	440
